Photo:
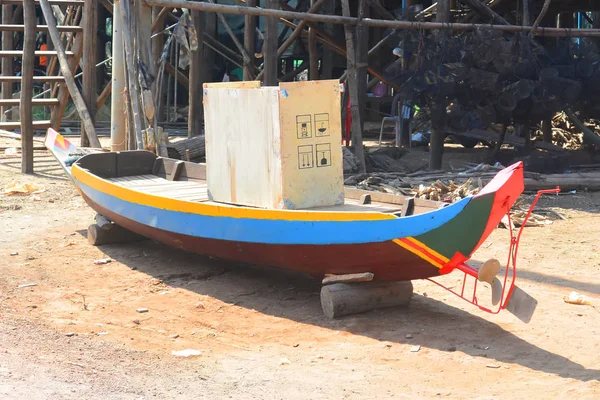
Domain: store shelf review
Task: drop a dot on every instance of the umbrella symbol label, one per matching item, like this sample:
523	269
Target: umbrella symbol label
322	125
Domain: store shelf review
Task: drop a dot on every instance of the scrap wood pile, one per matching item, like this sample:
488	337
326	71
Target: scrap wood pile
430	185
565	134
448	187
541	216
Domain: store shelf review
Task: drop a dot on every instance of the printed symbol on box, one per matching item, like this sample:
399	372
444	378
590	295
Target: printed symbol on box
324	155
322	125
305	157
304	126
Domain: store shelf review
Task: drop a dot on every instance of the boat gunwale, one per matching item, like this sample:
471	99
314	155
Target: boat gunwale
92	180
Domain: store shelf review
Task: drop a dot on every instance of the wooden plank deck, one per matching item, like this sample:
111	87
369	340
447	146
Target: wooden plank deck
197	192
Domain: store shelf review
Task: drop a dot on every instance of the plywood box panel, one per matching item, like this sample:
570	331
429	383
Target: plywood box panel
312	164
274	147
242	146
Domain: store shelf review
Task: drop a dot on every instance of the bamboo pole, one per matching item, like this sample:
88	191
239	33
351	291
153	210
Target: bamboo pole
27	68
118	123
66	72
334	19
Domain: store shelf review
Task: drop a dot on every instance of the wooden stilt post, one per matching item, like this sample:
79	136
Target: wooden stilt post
118	121
270	46
131	78
195	115
158	43
90	41
438	131
7	62
298	30
547	130
355	80
27	67
249	38
313	70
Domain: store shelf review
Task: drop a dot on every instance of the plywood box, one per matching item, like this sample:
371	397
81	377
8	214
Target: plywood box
274	147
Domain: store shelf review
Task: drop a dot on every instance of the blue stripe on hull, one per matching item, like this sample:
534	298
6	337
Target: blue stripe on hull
276	231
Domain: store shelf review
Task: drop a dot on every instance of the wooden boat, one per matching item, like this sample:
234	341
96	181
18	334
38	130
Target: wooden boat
395	238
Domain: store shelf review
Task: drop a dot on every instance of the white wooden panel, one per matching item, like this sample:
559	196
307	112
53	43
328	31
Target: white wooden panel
243	154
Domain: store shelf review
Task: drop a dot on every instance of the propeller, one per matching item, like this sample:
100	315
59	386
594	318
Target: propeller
487	273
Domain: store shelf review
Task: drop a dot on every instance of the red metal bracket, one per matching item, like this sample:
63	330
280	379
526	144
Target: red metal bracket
510	273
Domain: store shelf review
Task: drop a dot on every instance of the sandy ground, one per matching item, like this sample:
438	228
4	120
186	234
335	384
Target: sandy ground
261	333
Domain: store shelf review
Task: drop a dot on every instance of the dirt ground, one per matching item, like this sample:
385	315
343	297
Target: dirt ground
261	333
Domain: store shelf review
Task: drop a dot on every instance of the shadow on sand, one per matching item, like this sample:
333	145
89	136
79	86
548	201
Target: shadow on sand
296	297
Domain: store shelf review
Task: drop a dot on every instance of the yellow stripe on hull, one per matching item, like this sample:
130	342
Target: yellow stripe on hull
212	210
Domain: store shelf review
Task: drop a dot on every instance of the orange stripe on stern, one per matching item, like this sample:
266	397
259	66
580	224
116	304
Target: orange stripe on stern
419	249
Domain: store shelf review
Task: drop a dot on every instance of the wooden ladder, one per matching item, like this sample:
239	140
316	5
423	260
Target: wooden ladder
56	95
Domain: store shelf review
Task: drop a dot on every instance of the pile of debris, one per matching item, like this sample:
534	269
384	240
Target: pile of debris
565	134
430	185
449	187
382	159
450	193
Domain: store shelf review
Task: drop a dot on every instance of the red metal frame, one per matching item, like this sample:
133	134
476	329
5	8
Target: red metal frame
511	264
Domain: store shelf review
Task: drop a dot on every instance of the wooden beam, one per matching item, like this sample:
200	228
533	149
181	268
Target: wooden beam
108	5
7	62
66	72
66	20
540	17
181	78
196	109
298	30
62	91
39	28
90	34
240	46
249	38
101	100
341	299
477	6
396	24
159	19
27	69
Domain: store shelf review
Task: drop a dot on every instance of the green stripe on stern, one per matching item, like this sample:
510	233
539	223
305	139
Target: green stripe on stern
462	233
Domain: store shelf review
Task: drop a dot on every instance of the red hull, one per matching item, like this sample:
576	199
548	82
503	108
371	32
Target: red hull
387	260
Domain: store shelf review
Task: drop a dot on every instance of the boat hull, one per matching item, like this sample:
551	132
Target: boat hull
387	260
